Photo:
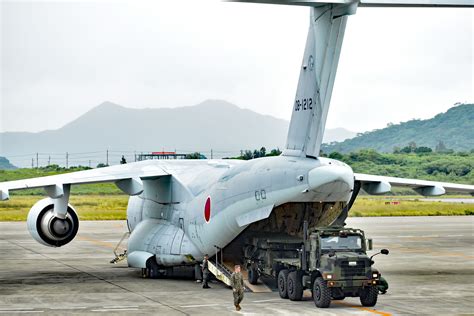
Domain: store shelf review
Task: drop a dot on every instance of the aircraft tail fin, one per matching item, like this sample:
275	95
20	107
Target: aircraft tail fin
317	74
320	60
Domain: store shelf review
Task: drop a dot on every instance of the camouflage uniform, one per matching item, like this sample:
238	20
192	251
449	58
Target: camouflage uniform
205	273
237	282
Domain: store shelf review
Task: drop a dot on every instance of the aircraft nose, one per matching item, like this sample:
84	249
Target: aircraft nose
332	181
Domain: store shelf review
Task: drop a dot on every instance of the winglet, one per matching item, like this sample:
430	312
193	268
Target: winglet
4	195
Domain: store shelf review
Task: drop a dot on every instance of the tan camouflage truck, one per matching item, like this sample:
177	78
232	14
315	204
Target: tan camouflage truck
331	262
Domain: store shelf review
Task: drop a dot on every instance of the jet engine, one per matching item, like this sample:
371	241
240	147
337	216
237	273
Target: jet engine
48	229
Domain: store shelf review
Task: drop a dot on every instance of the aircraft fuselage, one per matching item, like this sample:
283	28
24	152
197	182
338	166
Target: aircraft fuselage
186	215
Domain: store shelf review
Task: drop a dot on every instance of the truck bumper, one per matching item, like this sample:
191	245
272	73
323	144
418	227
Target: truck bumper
352	283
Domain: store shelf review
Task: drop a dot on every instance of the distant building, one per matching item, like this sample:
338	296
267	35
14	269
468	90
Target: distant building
168	155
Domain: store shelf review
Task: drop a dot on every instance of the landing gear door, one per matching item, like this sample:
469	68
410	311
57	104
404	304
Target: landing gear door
177	241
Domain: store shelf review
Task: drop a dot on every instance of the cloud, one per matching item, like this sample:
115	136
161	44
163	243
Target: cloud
59	59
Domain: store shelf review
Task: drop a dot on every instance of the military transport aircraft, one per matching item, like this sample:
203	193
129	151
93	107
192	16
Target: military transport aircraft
180	210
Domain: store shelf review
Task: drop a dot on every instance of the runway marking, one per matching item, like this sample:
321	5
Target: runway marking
132	306
20	311
114	310
263	301
67	308
365	309
424	236
203	305
97	242
13	309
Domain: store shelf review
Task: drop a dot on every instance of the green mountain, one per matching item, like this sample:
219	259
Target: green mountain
5	164
455	129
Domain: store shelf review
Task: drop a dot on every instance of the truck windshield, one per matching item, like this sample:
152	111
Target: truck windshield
341	242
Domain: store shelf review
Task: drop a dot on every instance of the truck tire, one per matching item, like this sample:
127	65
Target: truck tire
253	275
295	286
368	296
283	283
321	293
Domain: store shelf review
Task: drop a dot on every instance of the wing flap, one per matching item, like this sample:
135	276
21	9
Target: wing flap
423	187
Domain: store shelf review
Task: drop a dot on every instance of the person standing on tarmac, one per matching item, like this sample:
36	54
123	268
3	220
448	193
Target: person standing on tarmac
205	272
237	283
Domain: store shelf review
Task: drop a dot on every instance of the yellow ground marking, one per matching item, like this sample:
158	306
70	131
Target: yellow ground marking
365	309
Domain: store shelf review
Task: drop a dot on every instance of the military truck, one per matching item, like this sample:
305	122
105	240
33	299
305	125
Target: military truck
332	262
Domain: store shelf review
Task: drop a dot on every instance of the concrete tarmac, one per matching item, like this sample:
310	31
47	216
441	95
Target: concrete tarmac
430	270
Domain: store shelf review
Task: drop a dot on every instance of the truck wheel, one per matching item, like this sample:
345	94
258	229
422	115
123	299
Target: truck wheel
253	275
321	293
295	286
282	283
368	296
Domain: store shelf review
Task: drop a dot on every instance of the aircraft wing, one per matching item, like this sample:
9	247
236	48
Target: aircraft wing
370	3
127	177
381	184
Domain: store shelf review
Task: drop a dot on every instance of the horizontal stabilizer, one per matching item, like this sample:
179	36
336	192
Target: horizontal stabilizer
371	3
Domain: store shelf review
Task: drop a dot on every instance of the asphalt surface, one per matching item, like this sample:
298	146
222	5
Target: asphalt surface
430	270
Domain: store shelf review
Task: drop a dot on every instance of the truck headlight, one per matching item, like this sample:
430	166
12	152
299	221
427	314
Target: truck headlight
375	275
327	276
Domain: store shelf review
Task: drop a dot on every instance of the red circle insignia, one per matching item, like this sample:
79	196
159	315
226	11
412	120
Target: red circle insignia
207	209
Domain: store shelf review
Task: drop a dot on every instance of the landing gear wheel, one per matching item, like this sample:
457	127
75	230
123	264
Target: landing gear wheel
152	269
321	293
368	296
295	286
253	275
282	283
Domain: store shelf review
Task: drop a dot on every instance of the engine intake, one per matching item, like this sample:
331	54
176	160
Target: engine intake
48	229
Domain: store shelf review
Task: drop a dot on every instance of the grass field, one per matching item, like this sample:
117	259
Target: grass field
89	207
408	206
110	207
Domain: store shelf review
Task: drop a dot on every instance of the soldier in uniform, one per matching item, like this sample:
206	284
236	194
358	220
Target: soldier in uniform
205	272
237	282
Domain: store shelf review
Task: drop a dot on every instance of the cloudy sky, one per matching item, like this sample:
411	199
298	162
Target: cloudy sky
59	59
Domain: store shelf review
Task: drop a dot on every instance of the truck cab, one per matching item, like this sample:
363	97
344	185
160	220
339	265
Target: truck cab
338	266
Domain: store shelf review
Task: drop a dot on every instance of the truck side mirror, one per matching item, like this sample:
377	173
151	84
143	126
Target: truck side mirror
384	251
369	244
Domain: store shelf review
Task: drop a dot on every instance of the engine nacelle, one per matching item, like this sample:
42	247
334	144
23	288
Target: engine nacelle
48	229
